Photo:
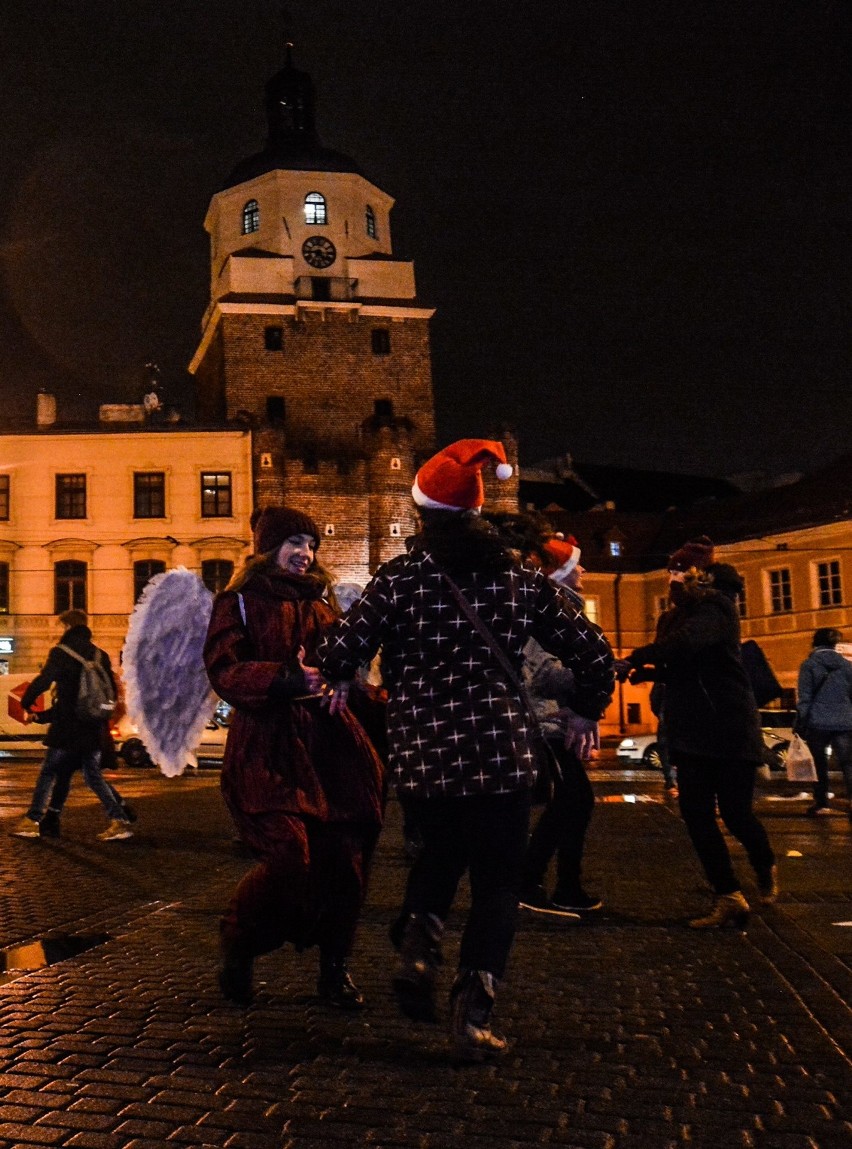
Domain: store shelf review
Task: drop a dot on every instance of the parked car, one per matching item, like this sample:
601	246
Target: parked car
640	750
131	748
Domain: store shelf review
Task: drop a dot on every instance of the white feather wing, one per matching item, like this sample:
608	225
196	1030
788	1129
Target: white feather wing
168	693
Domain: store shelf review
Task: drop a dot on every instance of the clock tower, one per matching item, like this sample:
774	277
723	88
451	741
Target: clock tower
314	336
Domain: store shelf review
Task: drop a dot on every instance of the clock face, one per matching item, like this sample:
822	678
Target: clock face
319	251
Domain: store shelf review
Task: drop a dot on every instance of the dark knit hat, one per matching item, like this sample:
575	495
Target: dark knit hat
726	578
696	553
274	525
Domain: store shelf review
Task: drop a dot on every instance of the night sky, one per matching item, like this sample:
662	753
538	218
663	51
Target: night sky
633	219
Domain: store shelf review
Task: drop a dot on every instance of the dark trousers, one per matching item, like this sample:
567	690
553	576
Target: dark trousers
485	834
561	828
703	784
840	742
307	888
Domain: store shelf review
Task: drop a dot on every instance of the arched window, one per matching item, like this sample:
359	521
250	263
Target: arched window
69	586
251	217
315	208
216	574
143	572
371	222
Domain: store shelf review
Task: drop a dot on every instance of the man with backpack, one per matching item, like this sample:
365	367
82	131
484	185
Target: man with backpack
84	695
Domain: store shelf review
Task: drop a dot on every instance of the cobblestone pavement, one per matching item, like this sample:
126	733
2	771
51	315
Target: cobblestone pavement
627	1031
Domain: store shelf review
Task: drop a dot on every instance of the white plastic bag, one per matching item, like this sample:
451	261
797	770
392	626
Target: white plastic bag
799	762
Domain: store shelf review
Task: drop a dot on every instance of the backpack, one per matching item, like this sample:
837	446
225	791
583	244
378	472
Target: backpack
764	684
96	694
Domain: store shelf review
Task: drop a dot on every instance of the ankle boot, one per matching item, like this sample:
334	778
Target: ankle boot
471	1002
767	884
729	910
420	958
235	974
336	987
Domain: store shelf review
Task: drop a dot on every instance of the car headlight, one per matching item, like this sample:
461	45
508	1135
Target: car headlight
627	744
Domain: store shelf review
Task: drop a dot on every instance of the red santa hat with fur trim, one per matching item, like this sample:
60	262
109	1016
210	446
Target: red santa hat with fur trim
452	479
563	553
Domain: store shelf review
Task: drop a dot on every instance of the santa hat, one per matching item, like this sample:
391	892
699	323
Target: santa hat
563	553
452	479
272	526
696	553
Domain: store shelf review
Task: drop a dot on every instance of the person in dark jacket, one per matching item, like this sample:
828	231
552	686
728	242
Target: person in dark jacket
712	724
303	786
824	713
460	743
72	741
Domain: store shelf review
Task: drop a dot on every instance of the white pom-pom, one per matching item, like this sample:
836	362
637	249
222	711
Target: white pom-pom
504	471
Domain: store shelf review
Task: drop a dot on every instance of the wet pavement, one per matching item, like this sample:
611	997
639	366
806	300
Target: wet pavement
626	1031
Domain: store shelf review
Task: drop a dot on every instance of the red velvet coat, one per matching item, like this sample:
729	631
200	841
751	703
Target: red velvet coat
285	753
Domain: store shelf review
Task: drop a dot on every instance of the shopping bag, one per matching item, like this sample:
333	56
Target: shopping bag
799	762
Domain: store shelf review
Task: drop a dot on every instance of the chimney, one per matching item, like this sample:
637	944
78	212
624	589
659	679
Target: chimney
45	410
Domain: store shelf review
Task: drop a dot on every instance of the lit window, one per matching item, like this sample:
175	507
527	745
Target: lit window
780	591
69	586
251	217
590	609
4	498
371	222
143	572
216	494
149	495
615	549
216	574
829	589
742	605
316	211
70	497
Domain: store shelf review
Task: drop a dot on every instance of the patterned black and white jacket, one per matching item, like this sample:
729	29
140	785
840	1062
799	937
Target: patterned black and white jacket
455	724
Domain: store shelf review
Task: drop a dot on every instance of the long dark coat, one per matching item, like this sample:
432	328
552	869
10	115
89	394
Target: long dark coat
67	731
285	753
455	723
709	707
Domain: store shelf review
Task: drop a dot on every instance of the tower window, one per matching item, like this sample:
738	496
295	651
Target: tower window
316	210
4	498
370	219
69	586
396	530
276	410
216	574
329	530
383	408
251	217
310	463
70	497
396	463
216	494
143	572
380	341
273	338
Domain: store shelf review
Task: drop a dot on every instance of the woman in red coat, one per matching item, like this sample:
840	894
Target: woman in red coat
303	786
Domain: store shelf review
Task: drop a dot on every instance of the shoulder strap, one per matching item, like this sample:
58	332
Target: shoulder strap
73	653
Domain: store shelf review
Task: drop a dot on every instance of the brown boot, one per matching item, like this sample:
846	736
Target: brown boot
729	910
471	1002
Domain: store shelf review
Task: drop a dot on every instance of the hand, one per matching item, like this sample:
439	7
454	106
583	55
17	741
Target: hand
314	681
622	669
339	697
582	736
28	718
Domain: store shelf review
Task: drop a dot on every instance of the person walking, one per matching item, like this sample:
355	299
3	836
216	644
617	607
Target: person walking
304	786
562	826
824	714
712	724
71	740
451	615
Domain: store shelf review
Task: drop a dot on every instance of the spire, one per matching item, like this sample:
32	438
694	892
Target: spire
290	104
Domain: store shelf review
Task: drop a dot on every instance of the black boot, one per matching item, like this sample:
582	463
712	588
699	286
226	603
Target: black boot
336	987
420	958
48	827
471	1002
235	975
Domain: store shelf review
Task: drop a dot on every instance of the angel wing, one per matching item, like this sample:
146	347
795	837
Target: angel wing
168	693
